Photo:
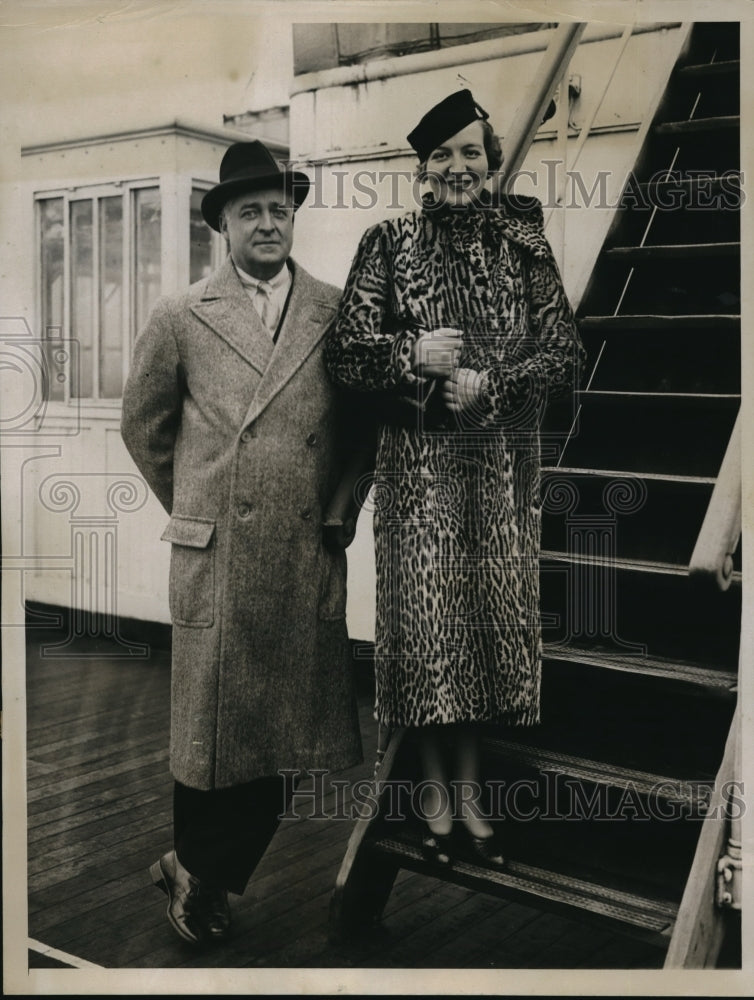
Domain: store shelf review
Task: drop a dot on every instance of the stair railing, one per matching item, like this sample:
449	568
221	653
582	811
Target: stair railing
531	111
714	886
585	130
712	558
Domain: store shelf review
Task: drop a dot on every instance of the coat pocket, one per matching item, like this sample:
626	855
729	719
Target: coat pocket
192	571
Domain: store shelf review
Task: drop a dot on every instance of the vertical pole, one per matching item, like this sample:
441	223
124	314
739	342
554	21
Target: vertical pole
532	109
557	217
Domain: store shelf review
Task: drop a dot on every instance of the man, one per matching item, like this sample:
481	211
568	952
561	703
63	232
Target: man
230	417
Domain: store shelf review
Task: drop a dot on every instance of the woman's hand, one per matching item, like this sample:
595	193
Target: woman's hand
436	353
463	390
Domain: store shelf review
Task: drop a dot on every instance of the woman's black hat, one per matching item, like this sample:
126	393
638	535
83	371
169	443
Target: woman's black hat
249	166
453	113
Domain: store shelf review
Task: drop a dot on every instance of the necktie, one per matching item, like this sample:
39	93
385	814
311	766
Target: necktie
264	305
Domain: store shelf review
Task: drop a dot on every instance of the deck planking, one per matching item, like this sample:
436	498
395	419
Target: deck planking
99	812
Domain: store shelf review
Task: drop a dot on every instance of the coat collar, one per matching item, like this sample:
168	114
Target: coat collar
226	309
305	323
518	219
522	221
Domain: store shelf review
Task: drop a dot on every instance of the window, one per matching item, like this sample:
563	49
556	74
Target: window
100	274
146	252
52	246
204	245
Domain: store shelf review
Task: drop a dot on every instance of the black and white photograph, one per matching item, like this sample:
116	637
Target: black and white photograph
374	386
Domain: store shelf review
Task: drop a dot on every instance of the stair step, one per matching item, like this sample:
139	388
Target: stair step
696	152
720	680
670	190
618	473
621	731
644	432
665	251
719	322
654	518
692	126
628	722
618	361
691	222
699	277
610	562
699	397
528	882
714	41
713	89
724	68
693	205
631	609
598	772
654	566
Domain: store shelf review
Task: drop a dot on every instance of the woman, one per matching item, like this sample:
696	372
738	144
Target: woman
455	319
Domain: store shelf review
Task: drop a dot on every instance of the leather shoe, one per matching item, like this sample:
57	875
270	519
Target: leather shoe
436	848
197	911
214	911
487	849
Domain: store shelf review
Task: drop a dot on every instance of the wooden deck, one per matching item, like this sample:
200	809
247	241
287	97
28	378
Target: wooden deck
99	812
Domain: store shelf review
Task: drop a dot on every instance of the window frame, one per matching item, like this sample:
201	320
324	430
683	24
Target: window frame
217	254
125	189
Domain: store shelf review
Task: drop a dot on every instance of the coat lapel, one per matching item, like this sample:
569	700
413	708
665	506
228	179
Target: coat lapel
307	318
227	310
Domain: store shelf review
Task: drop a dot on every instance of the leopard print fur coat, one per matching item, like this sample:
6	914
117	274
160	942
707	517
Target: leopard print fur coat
457	497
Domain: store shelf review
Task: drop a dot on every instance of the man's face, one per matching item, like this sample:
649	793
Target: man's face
259	229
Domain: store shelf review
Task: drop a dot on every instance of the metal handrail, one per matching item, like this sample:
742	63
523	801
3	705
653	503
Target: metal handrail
586	128
712	558
532	109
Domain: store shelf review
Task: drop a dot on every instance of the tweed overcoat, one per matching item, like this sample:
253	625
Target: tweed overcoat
241	439
457	500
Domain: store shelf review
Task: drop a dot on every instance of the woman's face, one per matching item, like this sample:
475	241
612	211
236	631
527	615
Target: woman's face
460	165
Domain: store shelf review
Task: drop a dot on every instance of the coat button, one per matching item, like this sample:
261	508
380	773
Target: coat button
244	510
306	513
246	436
311	440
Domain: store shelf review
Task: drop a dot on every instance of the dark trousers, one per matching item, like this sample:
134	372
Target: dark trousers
221	835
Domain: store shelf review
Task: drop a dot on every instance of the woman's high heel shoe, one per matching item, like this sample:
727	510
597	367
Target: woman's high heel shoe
436	848
487	849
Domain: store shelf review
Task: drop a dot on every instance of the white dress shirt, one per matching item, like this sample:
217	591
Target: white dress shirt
269	301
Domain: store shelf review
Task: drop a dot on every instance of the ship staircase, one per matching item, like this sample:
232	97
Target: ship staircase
626	809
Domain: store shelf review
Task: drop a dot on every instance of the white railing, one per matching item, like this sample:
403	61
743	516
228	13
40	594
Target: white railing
712	558
713	887
528	119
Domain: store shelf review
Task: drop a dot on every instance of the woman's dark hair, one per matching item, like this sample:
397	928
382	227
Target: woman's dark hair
492	149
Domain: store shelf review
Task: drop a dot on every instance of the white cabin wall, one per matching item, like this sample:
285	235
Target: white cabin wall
108	77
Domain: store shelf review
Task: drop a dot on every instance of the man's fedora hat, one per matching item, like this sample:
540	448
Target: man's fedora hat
249	166
444	120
